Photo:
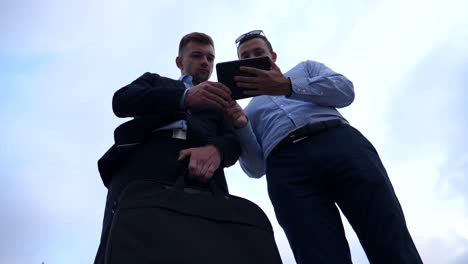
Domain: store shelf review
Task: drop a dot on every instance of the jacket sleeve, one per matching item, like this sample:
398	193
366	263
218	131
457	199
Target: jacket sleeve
150	94
228	146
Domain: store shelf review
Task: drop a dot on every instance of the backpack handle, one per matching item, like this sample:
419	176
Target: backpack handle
181	183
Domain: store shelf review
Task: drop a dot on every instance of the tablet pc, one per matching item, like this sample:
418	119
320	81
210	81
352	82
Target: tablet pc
227	70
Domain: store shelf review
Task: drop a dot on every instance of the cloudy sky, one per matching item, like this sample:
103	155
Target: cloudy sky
61	62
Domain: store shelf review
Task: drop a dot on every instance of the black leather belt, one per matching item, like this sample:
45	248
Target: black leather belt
304	132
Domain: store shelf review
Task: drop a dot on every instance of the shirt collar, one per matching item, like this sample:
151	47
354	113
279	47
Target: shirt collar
187	79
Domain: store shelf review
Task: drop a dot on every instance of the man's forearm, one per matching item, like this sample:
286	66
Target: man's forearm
229	148
148	95
320	85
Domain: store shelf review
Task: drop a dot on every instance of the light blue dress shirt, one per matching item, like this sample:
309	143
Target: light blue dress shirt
316	93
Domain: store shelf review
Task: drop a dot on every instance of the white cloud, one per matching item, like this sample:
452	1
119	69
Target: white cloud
449	249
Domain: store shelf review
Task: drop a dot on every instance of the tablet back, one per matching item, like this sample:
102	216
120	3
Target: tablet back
227	70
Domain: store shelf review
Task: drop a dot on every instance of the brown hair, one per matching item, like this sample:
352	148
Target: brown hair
201	38
267	42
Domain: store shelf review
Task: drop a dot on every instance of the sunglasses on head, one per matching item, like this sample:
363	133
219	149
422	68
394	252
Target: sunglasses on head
249	34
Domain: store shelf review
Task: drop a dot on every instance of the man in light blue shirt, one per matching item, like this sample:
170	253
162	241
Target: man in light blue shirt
314	160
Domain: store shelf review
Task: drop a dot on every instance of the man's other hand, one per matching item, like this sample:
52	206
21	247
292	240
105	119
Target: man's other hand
235	115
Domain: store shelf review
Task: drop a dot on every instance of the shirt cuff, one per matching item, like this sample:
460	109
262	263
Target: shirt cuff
182	99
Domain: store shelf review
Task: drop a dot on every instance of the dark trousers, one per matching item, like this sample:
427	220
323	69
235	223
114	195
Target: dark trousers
156	160
338	166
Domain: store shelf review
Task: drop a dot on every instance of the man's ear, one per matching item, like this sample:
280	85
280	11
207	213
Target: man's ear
273	56
178	61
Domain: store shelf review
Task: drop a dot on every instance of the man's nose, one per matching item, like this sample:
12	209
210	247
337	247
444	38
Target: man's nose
205	61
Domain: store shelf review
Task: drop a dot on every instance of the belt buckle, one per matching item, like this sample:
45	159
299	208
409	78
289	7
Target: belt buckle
179	133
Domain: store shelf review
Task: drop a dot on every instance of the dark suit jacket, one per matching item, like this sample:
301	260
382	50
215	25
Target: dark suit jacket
154	101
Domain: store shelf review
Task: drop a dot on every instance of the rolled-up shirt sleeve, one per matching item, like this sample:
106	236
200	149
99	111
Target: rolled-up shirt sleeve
322	86
251	159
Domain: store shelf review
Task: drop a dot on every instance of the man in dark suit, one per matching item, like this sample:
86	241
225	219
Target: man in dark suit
173	120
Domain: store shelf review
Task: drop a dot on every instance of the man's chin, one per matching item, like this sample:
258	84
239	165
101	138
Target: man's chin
199	78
